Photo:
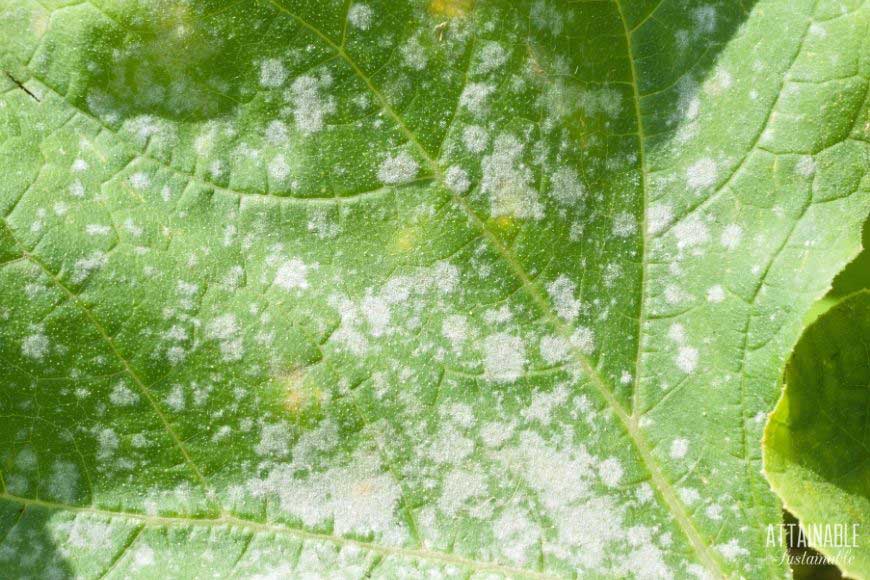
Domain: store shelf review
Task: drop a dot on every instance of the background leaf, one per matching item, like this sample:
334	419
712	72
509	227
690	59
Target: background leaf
408	288
816	448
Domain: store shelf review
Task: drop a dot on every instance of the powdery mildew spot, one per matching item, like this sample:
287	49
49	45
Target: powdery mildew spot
309	106
687	359
566	188
272	73
561	292
731	236
806	166
659	215
397	169
679	448
413	54
475	138
715	294
554	349
456	179
122	396
293	274
624	225
610	471
360	16
691	232
701	174
35	346
504	357
474	97
507	181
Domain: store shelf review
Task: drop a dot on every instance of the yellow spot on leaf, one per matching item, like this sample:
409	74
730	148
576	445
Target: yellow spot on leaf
39	23
405	240
504	222
297	395
451	8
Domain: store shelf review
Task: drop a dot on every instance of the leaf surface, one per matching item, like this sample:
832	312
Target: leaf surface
403	288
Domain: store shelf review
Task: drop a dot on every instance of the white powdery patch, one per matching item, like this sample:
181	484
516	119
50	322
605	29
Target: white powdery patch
701	174
359	498
715	294
544	403
321	224
400	168
26	460
731	236
624	225
566	188
687	359
583	340
276	132
459	487
658	216
563	479
456	179
691	232
35	346
597	101
140	180
278	168
272	73
85	531
225	330
309	107
720	82
714	511
806	166
449	446
644	493
413	54
107	444
507	181
515	535
688	495
491	57
679	448
175	399
274	440
77	188
677	333
63	483
360	16
674	294
561	292
293	274
475	138
494	433
610	471
732	550
377	313
474	97
122	396
554	349
455	329
705	19
143	557
504	357
85	266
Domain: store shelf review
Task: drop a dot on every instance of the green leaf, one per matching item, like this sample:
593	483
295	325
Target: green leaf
815	445
853	278
411	288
